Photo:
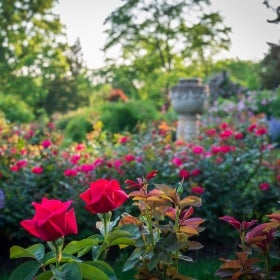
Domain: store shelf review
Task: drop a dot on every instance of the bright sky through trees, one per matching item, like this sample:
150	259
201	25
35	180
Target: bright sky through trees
250	31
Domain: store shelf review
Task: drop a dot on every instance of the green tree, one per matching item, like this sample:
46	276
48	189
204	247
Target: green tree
68	91
270	65
27	55
37	65
243	72
156	35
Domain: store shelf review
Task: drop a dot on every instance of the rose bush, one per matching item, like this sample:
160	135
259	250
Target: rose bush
231	158
161	235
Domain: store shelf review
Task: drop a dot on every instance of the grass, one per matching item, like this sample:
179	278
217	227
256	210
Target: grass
201	270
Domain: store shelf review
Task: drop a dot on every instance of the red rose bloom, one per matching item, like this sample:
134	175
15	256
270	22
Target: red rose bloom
184	174
70	172
261	131
177	161
129	157
238	136
37	169
226	133
53	219
46	143
103	196
252	127
197	190
198	150
14	168
21	163
264	186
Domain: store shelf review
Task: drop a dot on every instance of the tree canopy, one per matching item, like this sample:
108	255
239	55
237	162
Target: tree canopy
161	31
34	55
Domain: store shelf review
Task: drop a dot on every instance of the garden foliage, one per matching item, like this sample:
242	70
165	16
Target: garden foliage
231	166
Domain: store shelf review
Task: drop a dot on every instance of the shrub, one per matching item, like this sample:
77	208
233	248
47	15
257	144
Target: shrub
15	110
76	125
118	117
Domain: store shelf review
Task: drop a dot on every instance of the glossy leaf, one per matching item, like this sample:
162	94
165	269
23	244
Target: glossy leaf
46	275
36	251
133	259
26	271
65	258
76	246
105	267
92	273
71	271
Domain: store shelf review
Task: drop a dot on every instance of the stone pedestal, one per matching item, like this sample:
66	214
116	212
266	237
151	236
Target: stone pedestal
187	99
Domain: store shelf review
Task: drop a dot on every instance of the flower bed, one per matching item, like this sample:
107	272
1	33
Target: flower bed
231	167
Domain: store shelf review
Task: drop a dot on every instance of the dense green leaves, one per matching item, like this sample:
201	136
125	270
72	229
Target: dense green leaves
42	72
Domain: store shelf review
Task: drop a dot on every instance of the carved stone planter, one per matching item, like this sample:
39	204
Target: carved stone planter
187	99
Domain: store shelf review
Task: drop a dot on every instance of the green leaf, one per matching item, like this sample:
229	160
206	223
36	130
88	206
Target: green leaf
112	224
71	271
76	246
116	234
67	258
46	275
105	267
26	271
92	273
133	259
49	256
132	229
101	249
123	241
36	251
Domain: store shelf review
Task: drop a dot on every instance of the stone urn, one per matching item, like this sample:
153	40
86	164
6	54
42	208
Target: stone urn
187	99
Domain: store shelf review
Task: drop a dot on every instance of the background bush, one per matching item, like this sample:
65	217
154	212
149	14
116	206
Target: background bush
117	116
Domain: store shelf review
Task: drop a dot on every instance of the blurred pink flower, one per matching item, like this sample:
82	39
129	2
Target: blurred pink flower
252	127
184	174
197	190
21	163
75	158
37	169
226	133
129	157
223	125
238	135
198	149
261	131
46	143
98	162
211	132
14	168
124	139
195	172
80	147
70	172
264	186
85	168
177	161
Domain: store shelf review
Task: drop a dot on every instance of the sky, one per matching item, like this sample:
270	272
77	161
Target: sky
247	18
